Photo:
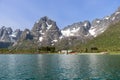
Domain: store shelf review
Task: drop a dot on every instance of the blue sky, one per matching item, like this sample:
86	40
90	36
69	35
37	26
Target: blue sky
23	13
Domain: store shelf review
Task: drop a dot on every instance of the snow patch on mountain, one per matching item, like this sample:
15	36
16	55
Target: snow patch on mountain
40	39
98	21
61	37
70	32
92	32
107	17
37	21
85	24
113	18
117	13
13	35
55	40
49	26
66	32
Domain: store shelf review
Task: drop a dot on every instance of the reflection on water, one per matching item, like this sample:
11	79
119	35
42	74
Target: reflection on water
93	66
59	67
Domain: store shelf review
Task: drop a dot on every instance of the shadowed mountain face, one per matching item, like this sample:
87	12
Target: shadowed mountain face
45	31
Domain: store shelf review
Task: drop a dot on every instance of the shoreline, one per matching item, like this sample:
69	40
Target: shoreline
67	54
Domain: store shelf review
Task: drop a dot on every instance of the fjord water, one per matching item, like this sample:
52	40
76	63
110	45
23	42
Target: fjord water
59	67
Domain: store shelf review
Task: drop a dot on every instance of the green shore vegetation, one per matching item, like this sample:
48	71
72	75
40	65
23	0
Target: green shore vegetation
41	50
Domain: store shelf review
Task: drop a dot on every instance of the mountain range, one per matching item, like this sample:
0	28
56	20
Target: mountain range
45	32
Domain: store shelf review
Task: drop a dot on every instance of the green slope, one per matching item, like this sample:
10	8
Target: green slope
107	41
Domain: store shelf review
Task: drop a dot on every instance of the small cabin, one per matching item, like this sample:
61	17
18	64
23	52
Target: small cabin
104	53
65	51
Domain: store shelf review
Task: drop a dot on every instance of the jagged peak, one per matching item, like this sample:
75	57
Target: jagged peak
86	23
45	18
42	19
3	27
26	31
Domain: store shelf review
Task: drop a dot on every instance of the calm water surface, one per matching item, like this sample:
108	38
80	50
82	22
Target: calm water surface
59	67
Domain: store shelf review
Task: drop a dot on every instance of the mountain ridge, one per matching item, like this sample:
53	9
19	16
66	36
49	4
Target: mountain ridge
45	31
